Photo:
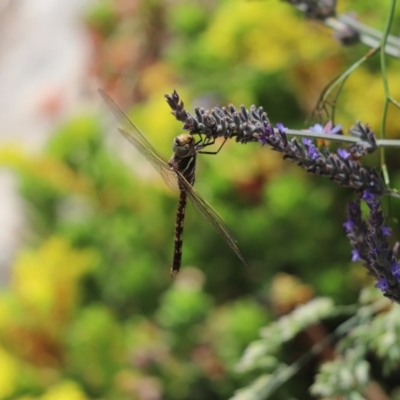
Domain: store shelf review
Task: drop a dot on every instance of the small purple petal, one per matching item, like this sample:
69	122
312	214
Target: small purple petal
281	127
386	231
343	154
317	128
267	129
382	284
263	140
336	129
328	128
348	225
355	255
313	152
368	196
377	251
395	268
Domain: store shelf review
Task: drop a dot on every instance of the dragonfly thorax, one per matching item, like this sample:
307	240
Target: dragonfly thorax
184	145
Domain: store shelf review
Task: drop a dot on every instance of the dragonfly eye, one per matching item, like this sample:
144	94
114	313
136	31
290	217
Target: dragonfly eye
183	146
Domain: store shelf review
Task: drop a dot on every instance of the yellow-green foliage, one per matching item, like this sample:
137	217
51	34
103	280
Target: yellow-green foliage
260	31
44	170
64	390
35	313
9	375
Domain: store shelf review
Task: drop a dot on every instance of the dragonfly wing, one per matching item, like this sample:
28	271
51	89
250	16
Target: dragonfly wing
212	216
142	144
167	173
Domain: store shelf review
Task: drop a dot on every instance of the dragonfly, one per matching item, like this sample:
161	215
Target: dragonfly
179	174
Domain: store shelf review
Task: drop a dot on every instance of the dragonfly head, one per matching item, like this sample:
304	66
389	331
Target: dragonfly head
183	145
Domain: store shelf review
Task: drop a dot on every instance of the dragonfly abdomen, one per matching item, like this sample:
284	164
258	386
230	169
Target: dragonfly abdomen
180	218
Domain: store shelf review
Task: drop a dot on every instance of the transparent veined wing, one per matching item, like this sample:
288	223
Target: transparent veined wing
142	143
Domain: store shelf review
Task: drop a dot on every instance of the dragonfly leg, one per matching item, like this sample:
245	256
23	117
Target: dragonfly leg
208	141
200	140
213	152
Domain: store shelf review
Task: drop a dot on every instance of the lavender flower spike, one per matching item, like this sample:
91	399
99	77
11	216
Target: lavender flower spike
253	125
370	244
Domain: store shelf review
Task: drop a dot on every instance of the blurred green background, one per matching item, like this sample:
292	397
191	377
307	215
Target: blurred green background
89	310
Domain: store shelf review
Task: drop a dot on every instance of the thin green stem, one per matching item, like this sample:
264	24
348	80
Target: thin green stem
385	86
339	81
392	143
395	102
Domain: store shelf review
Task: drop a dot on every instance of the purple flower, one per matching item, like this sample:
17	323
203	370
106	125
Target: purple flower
343	154
376	250
369	241
368	196
328	128
266	131
313	152
355	255
281	127
395	268
336	129
317	128
382	284
348	225
263	139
